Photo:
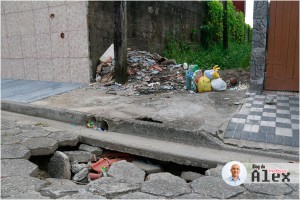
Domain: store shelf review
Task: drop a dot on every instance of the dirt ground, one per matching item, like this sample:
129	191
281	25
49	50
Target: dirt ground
242	76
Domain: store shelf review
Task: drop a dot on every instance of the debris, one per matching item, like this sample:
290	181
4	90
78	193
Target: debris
236	103
108	53
81	175
233	81
270	100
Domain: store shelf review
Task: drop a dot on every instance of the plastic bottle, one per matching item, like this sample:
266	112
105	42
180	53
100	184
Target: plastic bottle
188	77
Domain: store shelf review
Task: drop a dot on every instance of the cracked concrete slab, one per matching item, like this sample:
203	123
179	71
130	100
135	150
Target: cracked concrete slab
18	167
41	146
15	151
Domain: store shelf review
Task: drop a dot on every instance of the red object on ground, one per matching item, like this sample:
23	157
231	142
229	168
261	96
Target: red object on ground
94	176
104	162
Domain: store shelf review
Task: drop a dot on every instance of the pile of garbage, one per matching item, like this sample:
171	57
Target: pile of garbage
147	73
197	81
151	73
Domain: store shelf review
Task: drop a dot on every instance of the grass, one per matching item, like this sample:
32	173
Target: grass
237	56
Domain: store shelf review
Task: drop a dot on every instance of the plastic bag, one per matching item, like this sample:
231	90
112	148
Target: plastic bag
204	84
212	73
218	84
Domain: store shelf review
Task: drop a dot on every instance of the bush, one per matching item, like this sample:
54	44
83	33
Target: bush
210	52
237	56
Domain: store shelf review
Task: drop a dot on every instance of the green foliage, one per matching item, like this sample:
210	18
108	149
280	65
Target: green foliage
212	29
237	56
210	52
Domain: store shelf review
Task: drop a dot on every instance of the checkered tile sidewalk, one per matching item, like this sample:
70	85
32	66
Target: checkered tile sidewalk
276	124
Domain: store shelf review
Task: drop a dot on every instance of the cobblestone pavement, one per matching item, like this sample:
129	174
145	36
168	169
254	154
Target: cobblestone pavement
258	121
21	139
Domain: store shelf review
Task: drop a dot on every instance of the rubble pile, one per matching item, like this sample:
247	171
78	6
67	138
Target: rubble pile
147	73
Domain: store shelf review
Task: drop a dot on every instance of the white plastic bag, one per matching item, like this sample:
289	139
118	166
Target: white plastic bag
218	84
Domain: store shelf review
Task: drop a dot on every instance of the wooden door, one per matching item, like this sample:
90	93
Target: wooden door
282	70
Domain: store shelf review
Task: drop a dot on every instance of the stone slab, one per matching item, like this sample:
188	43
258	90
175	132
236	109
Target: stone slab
94	150
41	146
18	167
139	195
15	139
17	186
65	138
193	196
35	133
269	189
190	176
75	167
61	187
111	187
165	184
59	166
127	171
148	168
215	187
15	151
81	175
84	195
80	156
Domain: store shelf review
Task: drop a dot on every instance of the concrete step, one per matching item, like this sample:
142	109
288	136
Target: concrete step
201	156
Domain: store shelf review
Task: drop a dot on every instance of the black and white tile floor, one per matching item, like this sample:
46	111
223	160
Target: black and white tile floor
258	121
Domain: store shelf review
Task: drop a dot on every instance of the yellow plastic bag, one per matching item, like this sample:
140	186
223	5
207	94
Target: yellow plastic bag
204	84
215	74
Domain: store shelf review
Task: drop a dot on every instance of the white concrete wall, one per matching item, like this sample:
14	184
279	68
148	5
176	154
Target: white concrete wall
31	43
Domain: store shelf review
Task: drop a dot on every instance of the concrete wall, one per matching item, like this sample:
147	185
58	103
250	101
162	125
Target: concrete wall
149	23
32	46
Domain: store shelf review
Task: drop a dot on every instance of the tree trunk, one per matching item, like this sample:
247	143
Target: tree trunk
120	42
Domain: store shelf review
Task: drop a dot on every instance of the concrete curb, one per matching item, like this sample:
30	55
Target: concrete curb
138	128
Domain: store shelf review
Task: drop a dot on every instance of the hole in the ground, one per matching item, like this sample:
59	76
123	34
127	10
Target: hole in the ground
148	119
92	122
156	165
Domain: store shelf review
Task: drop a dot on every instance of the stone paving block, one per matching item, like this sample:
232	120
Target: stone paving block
65	138
28	195
61	187
294	195
18	167
215	187
59	166
7	124
269	189
81	175
94	150
139	195
165	184
111	187
148	168
15	151
80	156
75	167
250	195
11	132
83	195
217	172
18	186
193	196
11	140
295	186
35	133
41	146
190	176
127	171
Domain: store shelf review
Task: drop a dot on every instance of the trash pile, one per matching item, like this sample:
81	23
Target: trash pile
148	73
151	73
197	81
84	172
